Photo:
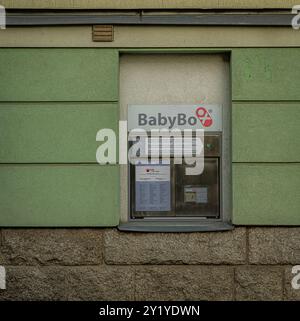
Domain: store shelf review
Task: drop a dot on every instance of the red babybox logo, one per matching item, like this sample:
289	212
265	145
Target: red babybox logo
204	116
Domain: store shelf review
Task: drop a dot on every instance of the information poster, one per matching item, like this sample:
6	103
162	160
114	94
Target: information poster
152	188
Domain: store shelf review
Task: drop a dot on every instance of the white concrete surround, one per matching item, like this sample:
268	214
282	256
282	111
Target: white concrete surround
174	79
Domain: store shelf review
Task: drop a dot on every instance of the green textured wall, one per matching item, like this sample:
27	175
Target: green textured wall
266	132
266	136
266	74
266	193
59	74
52	103
53	132
59	195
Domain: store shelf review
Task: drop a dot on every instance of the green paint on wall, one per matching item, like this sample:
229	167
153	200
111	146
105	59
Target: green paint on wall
59	195
266	194
53	103
53	133
39	129
266	74
266	132
37	74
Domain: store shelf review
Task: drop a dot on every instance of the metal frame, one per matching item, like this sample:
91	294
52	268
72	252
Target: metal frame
232	19
180	223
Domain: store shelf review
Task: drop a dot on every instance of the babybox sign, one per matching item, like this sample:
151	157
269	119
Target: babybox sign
207	117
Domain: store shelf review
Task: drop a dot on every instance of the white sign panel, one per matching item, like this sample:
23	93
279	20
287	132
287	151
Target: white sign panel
147	117
152	188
